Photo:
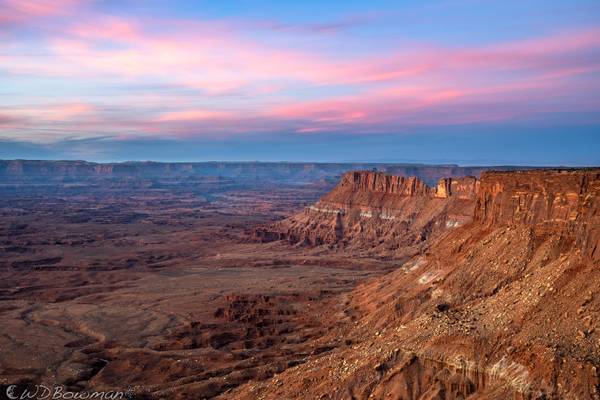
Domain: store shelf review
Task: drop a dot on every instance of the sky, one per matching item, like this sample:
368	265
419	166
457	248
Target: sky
464	81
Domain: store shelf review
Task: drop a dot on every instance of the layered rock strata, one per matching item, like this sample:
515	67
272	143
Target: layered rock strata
504	307
389	214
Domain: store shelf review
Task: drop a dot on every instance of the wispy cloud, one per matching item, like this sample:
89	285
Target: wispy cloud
103	74
330	27
25	11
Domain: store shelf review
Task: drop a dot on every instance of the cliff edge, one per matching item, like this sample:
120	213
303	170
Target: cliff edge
504	306
384	214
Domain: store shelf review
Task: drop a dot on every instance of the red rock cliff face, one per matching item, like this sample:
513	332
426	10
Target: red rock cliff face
565	203
370	209
465	188
505	307
378	182
379	191
382	213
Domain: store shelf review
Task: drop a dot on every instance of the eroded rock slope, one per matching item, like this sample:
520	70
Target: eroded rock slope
388	215
503	306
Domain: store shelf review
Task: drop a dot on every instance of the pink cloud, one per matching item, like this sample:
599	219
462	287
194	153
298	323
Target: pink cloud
68	111
107	28
190	115
20	11
53	112
8	121
210	58
265	85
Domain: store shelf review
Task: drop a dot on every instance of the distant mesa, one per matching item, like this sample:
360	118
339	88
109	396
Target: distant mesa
40	170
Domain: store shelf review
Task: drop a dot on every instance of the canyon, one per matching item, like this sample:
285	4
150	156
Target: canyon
301	281
503	304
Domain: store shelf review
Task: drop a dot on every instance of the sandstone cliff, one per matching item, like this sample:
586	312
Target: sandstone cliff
390	215
565	204
503	307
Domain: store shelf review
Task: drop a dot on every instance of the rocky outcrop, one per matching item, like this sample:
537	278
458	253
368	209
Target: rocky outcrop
563	203
393	215
381	183
506	307
370	209
465	188
536	197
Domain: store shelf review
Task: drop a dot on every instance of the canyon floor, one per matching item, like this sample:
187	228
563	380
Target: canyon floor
156	287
